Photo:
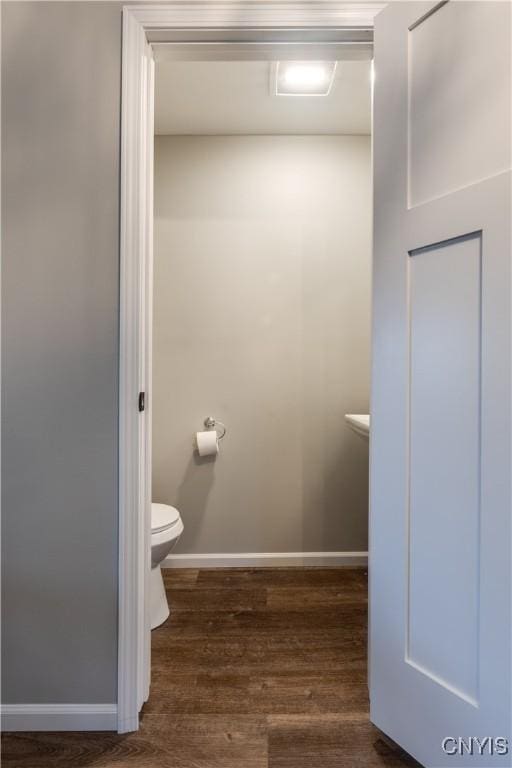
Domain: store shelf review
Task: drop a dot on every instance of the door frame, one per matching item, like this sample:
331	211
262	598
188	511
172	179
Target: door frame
269	23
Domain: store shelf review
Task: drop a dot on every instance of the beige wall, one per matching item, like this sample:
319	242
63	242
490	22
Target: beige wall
262	319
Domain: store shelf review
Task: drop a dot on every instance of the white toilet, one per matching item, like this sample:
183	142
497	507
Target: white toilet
166	528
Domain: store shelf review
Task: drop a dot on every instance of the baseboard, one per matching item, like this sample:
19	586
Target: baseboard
59	717
265	559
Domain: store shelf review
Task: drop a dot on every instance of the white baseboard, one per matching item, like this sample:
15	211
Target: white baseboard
59	717
265	559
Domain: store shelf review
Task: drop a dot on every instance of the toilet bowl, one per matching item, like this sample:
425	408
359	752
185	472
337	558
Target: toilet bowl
166	528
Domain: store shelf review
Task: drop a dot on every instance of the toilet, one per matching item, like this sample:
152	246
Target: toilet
166	528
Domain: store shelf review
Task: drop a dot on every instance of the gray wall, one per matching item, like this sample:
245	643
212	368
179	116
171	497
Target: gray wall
60	189
262	319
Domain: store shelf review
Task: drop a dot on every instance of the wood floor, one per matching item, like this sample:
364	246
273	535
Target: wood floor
256	668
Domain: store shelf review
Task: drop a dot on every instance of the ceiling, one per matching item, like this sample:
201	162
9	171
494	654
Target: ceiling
235	97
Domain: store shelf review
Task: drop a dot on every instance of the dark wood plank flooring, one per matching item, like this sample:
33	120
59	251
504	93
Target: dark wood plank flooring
256	668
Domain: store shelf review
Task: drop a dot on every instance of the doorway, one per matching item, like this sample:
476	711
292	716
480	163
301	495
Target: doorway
346	35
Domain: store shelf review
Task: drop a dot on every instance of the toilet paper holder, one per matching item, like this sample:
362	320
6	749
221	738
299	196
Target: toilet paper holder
211	423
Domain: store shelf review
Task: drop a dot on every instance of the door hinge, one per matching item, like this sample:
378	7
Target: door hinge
142	401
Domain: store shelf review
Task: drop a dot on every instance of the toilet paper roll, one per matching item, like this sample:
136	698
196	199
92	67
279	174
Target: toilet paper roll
207	443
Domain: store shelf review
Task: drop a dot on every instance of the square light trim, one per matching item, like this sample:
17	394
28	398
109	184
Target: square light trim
304	78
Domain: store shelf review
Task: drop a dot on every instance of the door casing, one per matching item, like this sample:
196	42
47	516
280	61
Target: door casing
265	29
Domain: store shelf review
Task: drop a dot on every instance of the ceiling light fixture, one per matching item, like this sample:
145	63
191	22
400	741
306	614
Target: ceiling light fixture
304	78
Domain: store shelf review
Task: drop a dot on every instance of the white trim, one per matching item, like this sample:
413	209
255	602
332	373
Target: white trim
265	559
59	717
263	18
147	373
131	558
263	15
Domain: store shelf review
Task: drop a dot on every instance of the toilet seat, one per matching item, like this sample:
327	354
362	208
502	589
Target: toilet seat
163	517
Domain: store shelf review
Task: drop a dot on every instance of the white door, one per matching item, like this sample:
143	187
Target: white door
440	569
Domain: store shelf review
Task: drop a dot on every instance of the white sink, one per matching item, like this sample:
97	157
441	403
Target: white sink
359	423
